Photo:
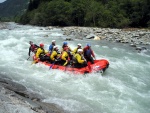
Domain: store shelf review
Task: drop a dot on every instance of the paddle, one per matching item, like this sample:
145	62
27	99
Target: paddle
56	61
50	67
28	58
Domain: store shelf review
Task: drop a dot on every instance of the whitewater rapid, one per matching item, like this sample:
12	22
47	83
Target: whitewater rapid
124	87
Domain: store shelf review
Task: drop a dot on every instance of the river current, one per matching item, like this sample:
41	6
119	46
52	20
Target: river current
123	88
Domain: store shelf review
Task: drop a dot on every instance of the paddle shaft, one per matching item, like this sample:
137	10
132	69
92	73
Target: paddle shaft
29	56
50	67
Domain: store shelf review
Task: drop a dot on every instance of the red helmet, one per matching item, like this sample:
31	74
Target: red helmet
41	45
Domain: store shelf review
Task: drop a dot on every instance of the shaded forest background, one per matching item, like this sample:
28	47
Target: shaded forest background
91	13
11	9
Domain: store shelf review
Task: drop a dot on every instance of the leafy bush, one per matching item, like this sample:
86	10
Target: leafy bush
97	13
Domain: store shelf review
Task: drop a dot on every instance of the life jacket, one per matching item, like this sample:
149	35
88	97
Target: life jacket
56	52
34	48
76	50
65	57
75	58
88	53
42	53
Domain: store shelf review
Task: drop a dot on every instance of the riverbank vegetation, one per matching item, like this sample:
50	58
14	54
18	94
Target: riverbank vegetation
91	13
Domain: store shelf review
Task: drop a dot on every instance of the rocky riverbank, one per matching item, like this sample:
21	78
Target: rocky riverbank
3	25
15	98
138	38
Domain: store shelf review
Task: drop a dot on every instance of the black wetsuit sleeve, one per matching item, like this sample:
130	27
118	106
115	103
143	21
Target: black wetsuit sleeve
29	51
36	45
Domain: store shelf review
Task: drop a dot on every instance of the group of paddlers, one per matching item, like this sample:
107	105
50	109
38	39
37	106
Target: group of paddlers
77	58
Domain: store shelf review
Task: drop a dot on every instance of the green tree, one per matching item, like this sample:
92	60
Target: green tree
100	13
24	19
58	13
93	13
79	11
138	12
33	4
118	15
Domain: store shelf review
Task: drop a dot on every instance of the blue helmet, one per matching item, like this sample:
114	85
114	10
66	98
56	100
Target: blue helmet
88	44
65	43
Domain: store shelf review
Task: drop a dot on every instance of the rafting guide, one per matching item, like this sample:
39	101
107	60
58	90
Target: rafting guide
32	48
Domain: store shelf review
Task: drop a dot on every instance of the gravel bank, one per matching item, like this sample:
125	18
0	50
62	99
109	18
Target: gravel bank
138	38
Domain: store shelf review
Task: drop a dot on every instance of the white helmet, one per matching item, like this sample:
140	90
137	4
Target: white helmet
53	40
79	44
80	50
55	47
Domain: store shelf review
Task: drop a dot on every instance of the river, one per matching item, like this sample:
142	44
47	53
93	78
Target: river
123	88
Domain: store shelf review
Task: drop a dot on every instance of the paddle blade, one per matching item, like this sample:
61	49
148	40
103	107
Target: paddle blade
50	67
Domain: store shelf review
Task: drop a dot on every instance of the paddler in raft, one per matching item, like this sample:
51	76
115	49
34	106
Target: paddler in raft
79	60
65	44
41	54
89	54
52	46
64	58
76	49
33	48
55	55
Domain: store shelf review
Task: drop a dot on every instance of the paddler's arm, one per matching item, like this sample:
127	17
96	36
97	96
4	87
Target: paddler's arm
79	59
38	53
93	54
74	51
64	55
53	55
64	58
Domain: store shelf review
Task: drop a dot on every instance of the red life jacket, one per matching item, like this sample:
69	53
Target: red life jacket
34	48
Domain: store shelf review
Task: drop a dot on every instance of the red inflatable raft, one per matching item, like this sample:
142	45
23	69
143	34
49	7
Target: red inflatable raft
98	66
